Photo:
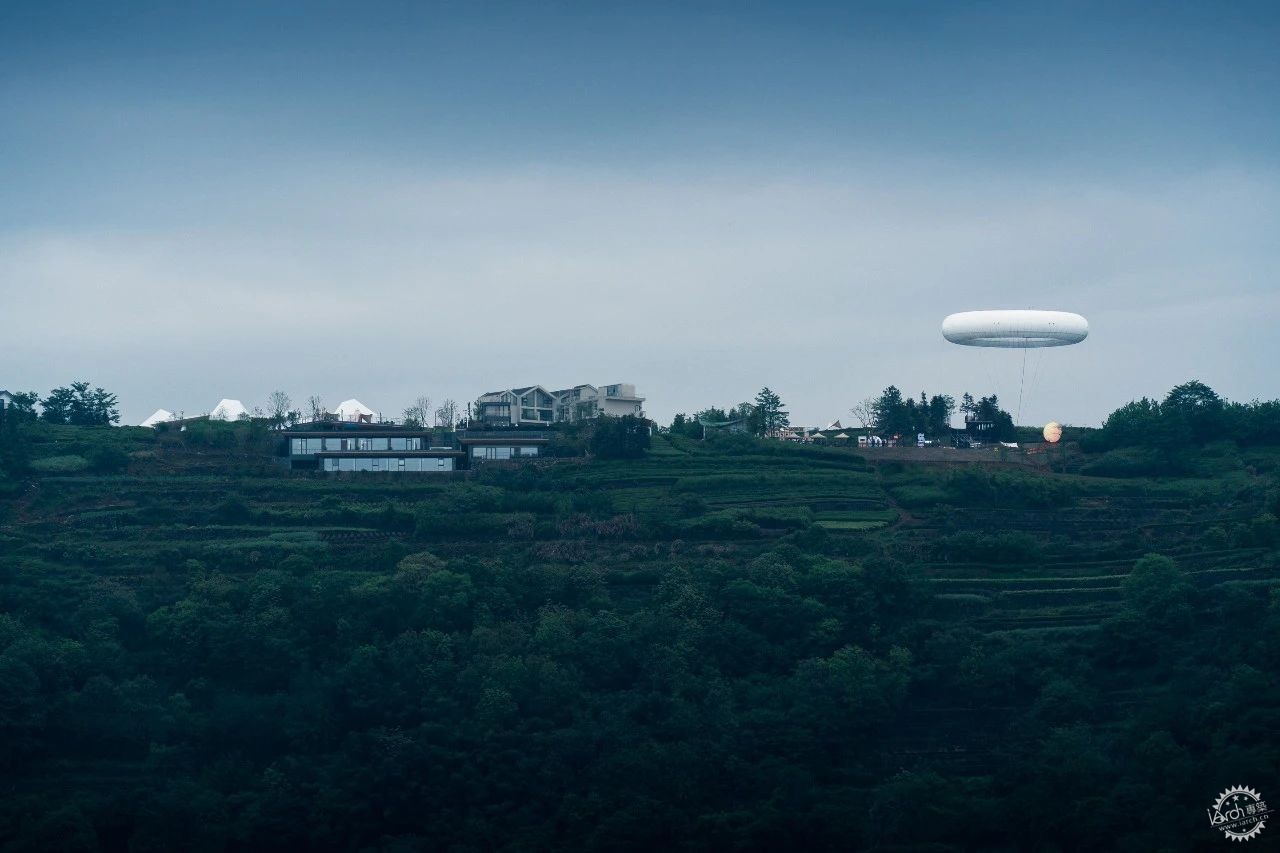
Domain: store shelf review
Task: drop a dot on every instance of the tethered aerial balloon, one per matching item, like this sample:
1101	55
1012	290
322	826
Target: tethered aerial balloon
1016	329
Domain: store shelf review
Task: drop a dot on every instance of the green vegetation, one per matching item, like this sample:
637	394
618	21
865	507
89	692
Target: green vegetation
1149	437
721	644
765	416
80	405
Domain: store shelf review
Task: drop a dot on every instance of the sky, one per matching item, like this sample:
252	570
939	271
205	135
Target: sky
385	200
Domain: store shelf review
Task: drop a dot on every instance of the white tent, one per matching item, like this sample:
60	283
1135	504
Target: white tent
228	410
158	417
841	435
352	410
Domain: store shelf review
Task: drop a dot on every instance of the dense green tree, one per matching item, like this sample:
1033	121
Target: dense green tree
941	408
892	416
1198	407
80	405
768	416
626	437
988	409
22	405
1191	415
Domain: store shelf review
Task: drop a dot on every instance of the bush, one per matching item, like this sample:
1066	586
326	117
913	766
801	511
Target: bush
232	510
725	524
60	465
1001	548
916	497
1128	462
108	460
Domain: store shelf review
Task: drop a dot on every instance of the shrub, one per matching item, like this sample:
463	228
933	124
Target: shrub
725	524
1128	462
232	510
919	496
996	548
107	459
70	464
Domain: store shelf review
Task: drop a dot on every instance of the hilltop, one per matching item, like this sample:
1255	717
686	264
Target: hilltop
732	643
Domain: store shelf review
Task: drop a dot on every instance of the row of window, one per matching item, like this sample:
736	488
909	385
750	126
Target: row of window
308	446
503	452
417	464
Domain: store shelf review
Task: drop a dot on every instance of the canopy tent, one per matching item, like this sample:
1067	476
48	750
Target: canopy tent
841	435
159	416
352	410
228	410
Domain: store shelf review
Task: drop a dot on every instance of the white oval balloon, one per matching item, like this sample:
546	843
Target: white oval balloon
1016	328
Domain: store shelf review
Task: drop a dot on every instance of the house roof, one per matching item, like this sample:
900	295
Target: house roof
517	391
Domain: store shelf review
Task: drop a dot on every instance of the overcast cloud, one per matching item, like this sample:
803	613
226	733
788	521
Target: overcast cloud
268	229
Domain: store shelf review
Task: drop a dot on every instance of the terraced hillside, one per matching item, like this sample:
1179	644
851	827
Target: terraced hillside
732	644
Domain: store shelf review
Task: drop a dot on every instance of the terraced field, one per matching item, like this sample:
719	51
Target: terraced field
863	631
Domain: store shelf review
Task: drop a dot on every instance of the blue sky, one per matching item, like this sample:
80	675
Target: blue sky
388	200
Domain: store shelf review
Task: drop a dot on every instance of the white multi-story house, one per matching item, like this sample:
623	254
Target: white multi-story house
534	405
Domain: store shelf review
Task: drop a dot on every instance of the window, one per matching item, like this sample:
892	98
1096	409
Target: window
346	464
399	444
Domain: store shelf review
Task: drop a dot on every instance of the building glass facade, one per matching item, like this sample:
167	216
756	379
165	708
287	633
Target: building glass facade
389	464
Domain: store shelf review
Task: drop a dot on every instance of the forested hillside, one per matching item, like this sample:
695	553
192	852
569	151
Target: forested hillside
732	644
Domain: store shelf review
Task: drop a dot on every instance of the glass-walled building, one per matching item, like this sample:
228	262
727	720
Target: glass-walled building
338	447
503	445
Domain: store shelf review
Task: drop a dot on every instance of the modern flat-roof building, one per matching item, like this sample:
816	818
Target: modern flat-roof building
534	405
338	446
502	445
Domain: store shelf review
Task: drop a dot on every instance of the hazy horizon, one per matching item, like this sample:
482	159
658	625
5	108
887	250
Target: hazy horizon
445	200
